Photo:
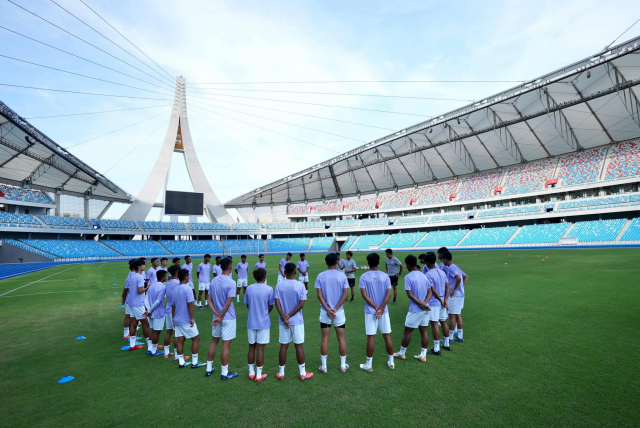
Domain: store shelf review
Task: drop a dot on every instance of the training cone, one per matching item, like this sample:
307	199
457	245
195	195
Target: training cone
121	306
115	292
115	284
505	263
66	379
80	338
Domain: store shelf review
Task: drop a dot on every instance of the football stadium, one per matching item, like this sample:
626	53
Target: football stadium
162	280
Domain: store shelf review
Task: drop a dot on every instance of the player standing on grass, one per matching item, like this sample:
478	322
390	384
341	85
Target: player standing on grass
375	287
259	299
168	316
456	301
156	312
217	271
127	310
350	269
152	272
290	298
176	261
340	263
135	299
333	289
260	264
204	279
163	264
303	269
283	262
394	270
188	265
422	259
241	269
183	322
438	303
419	293
223	290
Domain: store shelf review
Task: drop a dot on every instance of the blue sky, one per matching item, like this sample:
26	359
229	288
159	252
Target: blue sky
251	41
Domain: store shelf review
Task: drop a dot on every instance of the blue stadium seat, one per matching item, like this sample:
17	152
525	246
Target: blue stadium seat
364	241
321	244
541	233
136	248
403	240
633	232
194	248
489	236
66	222
597	231
71	248
280	245
443	238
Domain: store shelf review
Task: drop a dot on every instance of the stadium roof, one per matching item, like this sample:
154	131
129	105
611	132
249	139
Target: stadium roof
589	103
30	158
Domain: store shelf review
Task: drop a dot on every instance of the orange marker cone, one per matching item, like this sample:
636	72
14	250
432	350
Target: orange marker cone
505	263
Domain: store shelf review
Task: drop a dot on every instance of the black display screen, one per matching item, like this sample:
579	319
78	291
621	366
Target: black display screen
183	203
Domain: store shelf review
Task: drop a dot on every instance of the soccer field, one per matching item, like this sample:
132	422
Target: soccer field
548	342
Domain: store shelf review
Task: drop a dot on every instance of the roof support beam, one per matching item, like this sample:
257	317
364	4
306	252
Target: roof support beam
506	138
335	182
403	165
40	169
531	129
352	177
439	154
373	183
384	167
460	149
593	113
423	161
628	97
560	121
482	144
18	153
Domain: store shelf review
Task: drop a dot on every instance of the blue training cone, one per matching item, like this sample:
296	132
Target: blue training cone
115	292
125	348
80	338
66	379
115	284
121	306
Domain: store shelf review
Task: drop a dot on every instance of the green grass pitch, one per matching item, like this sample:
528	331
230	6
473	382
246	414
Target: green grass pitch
548	342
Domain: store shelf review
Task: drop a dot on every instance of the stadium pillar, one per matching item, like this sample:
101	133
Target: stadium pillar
58	208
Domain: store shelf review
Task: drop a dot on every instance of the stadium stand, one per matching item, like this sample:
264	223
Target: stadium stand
321	244
281	226
297	210
366	204
240	246
527	178
599	203
194	248
580	168
597	231
489	236
541	233
197	227
120	225
377	222
28	248
13	193
398	200
403	240
403	221
279	245
625	161
364	241
510	212
311	225
341	224
633	232
444	238
162	226
18	220
136	248
436	194
66	222
71	248
332	207
441	218
479	186
347	245
245	227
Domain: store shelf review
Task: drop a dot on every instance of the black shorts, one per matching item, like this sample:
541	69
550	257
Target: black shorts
351	281
394	279
323	325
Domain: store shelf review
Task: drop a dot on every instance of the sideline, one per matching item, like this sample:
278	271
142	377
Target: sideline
41	279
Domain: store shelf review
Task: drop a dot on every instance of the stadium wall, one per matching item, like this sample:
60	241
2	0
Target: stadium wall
10	253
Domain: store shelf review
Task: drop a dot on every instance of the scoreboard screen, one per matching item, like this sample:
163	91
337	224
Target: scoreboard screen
183	203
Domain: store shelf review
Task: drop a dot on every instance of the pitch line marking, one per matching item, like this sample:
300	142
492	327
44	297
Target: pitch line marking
42	279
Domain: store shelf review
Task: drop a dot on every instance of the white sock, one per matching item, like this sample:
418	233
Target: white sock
209	366
446	341
258	371
148	341
391	359
181	360
402	350
251	372
343	361
132	341
166	350
456	329
451	336
237	298
323	359
368	363
126	332
194	359
281	370
303	370
225	370
154	348
423	353
460	334
436	345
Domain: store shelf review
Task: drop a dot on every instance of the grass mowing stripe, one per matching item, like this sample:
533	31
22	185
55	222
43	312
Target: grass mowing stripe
42	279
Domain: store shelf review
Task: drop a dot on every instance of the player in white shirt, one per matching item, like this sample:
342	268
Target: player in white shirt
340	264
163	264
439	303
303	269
188	265
204	280
457	280
216	269
261	264
241	270
127	311
283	261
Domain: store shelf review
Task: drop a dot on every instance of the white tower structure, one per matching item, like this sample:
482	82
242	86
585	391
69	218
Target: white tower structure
178	139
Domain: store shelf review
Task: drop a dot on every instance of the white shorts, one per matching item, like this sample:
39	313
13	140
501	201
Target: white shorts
138	312
295	334
203	286
303	278
372	325
168	321
242	282
259	336
326	319
190	284
186	331
438	313
417	319
226	330
280	278
127	309
455	305
156	324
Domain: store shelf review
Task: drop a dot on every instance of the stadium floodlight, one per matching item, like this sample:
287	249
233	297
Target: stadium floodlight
588	74
458	119
306	201
271	204
324	199
430	130
288	201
